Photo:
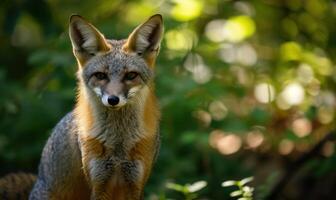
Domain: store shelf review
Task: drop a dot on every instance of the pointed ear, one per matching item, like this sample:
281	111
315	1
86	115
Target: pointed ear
145	39
86	40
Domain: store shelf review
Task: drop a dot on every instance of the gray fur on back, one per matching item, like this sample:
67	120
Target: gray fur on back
63	150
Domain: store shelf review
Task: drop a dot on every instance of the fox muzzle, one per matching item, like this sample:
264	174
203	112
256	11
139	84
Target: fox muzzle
113	100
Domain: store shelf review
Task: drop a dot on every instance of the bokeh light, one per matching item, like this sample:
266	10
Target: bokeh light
234	29
293	94
305	73
201	73
185	10
243	54
239	28
325	114
290	51
254	139
139	10
229	144
225	143
203	117
328	149
26	34
286	147
180	40
218	110
264	92
214	30
246	55
214	137
301	127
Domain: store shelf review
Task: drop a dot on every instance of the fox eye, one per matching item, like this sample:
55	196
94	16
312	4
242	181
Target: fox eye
100	75
130	76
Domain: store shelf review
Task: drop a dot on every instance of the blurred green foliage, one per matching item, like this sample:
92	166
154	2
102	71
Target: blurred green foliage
245	87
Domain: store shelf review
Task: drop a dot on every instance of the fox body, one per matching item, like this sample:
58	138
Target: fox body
105	147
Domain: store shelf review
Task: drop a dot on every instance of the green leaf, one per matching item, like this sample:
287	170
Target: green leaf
176	187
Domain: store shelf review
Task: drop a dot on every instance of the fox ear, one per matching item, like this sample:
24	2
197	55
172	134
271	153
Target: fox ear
146	38
86	40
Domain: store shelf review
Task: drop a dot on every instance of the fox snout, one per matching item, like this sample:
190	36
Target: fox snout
112	93
113	100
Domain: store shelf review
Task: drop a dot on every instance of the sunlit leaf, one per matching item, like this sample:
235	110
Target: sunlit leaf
236	193
228	183
174	186
246	180
197	186
247	189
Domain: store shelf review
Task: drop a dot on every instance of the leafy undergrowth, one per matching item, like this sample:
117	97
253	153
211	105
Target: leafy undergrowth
190	191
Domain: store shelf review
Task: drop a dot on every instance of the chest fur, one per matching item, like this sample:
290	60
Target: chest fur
116	131
107	147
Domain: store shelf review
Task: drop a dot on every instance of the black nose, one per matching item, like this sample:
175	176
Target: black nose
113	100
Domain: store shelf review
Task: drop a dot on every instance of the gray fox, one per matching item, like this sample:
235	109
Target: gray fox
105	147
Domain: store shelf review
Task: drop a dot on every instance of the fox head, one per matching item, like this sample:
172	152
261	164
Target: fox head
115	71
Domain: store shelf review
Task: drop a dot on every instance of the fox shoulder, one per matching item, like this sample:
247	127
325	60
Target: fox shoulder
16	186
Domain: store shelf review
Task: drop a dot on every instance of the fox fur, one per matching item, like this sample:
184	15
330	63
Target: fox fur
16	186
105	147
